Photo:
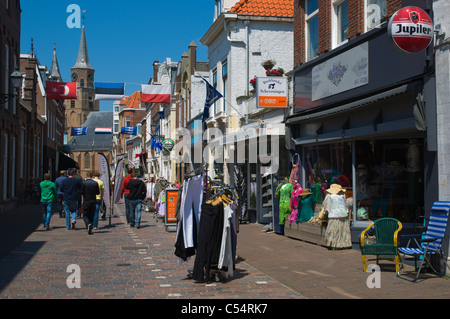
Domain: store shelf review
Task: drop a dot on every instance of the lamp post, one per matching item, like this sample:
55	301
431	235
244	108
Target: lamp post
16	78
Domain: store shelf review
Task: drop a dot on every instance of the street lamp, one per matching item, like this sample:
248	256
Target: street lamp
16	79
73	143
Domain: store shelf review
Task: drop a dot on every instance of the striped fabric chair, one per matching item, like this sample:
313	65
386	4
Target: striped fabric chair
430	244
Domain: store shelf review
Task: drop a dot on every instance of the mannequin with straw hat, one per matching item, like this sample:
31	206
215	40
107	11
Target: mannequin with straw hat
338	233
305	206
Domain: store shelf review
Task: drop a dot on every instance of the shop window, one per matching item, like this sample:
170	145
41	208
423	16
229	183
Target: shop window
389	179
326	165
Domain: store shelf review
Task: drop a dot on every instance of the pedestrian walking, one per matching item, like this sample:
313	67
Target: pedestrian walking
99	199
71	188
89	192
124	194
137	193
59	198
78	176
48	196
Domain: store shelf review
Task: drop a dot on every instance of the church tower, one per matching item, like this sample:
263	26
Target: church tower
82	72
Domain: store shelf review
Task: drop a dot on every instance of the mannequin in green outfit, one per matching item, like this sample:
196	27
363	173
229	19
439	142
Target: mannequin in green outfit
306	202
285	198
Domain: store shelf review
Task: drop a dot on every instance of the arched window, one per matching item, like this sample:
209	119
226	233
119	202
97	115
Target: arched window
87	161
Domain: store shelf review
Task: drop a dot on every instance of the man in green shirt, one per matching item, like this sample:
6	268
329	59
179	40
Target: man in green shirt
48	195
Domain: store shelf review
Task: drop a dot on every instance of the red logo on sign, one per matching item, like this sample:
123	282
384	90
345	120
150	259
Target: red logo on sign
411	29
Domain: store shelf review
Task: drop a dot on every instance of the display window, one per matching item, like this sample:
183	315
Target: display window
328	164
389	179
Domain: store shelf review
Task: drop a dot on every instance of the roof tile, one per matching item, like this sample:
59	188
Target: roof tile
280	8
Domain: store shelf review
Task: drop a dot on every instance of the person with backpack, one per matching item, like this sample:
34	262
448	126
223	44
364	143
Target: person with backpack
137	193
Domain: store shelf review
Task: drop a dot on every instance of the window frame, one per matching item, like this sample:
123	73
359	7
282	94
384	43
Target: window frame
308	18
336	23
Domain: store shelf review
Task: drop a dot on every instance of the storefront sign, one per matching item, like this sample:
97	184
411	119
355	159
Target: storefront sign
171	205
168	145
272	92
341	73
411	29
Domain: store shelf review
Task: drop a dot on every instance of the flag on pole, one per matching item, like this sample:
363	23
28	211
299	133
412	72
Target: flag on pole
109	91
212	95
129	130
105	178
61	90
77	131
103	130
118	179
156	93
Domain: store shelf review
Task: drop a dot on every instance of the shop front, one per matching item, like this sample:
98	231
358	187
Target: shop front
364	118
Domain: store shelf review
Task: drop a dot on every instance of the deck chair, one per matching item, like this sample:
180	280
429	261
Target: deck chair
420	246
386	233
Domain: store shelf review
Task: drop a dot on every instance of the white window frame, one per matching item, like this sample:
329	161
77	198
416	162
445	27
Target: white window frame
371	12
336	5
308	18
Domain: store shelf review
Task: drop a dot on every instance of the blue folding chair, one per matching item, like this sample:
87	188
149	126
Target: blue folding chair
430	244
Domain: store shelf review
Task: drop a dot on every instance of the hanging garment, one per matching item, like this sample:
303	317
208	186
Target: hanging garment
226	251
150	191
209	241
191	207
285	199
161	206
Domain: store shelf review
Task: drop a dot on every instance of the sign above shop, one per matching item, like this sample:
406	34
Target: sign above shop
411	29
272	92
168	145
346	71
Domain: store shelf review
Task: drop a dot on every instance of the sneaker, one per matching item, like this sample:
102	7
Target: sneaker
73	224
90	229
47	228
138	226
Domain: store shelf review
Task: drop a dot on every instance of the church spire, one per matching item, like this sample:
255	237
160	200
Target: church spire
83	58
54	69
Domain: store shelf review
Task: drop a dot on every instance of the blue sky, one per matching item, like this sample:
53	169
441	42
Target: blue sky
123	37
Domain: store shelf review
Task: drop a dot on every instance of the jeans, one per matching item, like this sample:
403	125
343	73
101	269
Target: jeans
135	211
70	207
98	203
127	208
47	212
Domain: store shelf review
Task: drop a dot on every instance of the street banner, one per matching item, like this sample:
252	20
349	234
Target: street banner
61	90
78	131
156	93
129	130
103	130
109	91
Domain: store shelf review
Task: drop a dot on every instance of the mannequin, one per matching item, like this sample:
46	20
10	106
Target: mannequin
338	233
294	201
306	206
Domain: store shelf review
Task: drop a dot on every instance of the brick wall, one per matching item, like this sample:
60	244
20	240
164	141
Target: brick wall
355	24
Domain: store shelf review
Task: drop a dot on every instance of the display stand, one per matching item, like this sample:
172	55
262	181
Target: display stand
309	232
170	219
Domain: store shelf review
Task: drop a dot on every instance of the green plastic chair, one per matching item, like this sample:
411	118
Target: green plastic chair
386	233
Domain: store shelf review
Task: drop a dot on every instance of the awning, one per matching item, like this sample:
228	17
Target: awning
349	106
65	162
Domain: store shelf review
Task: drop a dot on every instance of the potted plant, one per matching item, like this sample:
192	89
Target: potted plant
268	64
253	82
275	72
